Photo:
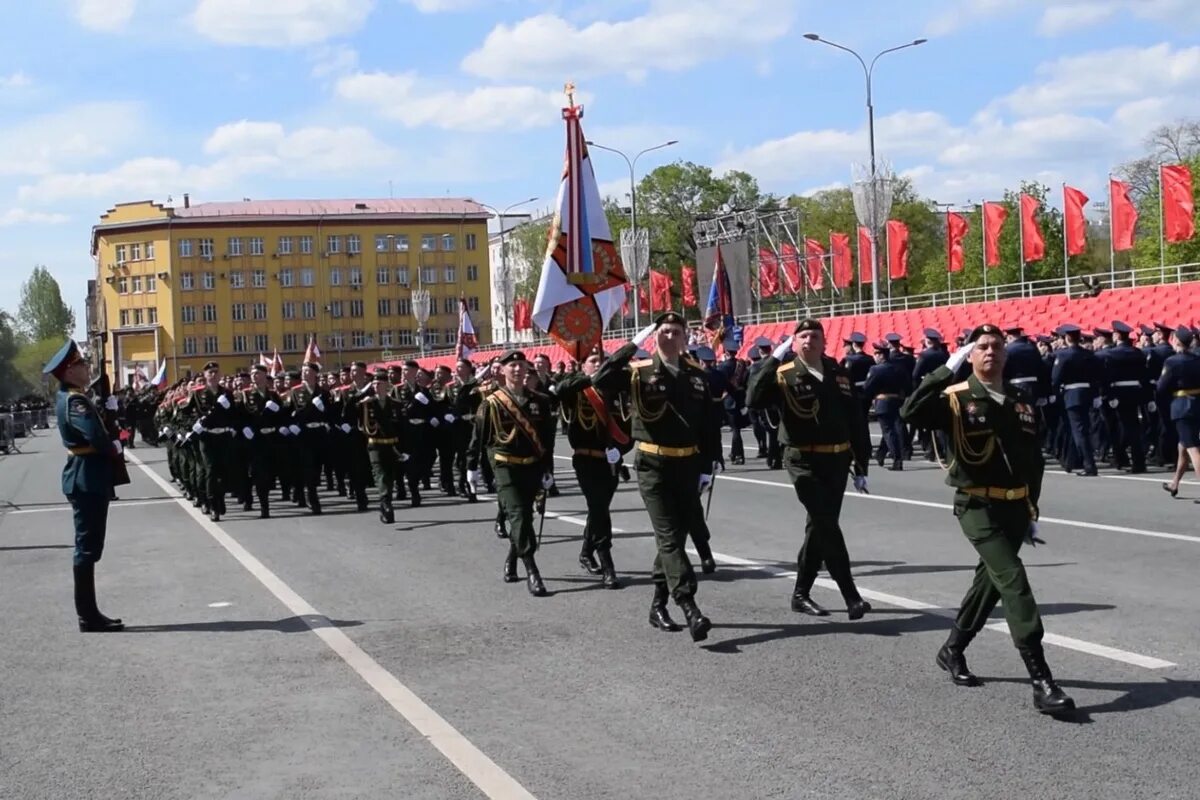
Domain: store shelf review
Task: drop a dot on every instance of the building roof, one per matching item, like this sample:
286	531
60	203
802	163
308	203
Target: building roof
408	206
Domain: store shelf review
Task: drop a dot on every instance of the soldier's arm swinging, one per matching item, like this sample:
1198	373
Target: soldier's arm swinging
927	407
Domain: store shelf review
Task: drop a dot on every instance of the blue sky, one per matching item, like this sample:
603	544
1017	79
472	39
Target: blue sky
107	101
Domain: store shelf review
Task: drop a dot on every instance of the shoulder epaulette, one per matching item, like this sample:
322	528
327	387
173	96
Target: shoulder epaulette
691	362
644	362
787	366
958	387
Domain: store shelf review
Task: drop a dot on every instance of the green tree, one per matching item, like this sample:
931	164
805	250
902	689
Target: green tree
1146	250
31	357
42	313
10	382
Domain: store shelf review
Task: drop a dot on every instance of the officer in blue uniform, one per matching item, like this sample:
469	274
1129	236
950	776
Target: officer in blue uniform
94	466
1178	393
1167	442
932	356
1076	378
1023	365
1124	388
888	383
857	362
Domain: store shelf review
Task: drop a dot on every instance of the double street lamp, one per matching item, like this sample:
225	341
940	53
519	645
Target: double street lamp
505	276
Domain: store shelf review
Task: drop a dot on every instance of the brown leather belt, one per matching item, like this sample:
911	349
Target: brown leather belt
520	460
1188	393
840	447
669	452
997	492
83	450
591	453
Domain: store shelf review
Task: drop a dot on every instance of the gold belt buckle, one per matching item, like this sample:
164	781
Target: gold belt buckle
1010	494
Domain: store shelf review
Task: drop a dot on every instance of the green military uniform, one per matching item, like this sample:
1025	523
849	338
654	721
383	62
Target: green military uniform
511	430
464	398
996	469
416	435
442	410
382	426
677	437
264	416
310	413
215	419
822	431
350	441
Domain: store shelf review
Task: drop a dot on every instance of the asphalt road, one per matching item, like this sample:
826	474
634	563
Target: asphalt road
307	657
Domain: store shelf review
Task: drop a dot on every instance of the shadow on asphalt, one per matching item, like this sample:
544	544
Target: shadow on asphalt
19	547
1134	696
917	569
285	625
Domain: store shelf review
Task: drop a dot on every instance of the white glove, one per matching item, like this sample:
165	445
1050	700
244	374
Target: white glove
111	403
1041	401
283	431
433	421
403	457
117	446
783	349
745	410
860	484
319	403
197	428
186	439
164	431
1152	407
719	464
247	432
612	455
705	480
1114	403
449	418
959	356
180	438
1096	402
223	402
1053	399
644	334
547	481
295	429
345	426
1031	535
553	389
473	477
272	405
421	398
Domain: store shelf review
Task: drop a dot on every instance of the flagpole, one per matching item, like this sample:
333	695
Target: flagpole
1021	237
887	245
983	231
949	258
1066	250
858	278
1162	233
1112	251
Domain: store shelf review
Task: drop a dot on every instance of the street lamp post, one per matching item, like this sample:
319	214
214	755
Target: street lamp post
505	277
420	308
868	73
633	207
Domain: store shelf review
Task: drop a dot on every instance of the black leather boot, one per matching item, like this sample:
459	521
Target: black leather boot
501	531
698	624
532	578
264	505
387	515
314	501
360	497
801	602
659	618
1048	697
607	571
707	565
951	658
416	497
510	567
587	560
90	618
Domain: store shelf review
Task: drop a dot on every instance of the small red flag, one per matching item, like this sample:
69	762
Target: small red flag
843	267
768	273
625	301
814	255
1179	205
897	244
1073	222
994	215
1032	241
688	275
956	231
791	267
643	295
660	291
1123	215
865	274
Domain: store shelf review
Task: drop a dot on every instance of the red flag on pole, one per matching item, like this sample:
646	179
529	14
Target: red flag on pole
660	291
791	267
956	231
1123	215
312	353
864	255
625	301
897	243
843	267
768	273
1179	206
688	274
814	254
1073	222
1032	242
994	215
643	295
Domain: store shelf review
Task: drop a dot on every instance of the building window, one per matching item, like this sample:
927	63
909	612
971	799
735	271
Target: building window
381	244
428	242
124	317
285	246
472	272
404	337
122	254
337	339
256	246
305	244
401	240
259	311
355	276
285	277
308	309
354	243
135	251
187	281
206	249
404	306
385	307
306	276
383	275
473	303
210	312
356	308
290	341
233	246
335	276
258	278
449	305
188	314
260	342
239	343
429	274
333	244
449	336
335	309
358	339
289	310
136	284
189	345
237	279
402	276
152	316
208	280
151	283
385	338
149	251
448	241
239	312
451	273
469	241
210	344
185	248
122	285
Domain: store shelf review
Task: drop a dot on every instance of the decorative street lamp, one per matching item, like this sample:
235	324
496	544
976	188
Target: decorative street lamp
505	275
421	303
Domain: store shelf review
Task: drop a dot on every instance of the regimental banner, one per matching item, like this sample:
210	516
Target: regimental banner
583	281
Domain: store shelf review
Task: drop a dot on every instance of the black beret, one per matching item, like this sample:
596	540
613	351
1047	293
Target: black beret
359	364
312	365
380	374
293	374
412	364
259	368
982	330
211	365
670	317
513	355
809	324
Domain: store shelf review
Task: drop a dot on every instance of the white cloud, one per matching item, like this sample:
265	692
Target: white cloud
268	23
104	15
75	135
673	35
333	61
17	80
407	99
961	13
440	6
1059	17
20	216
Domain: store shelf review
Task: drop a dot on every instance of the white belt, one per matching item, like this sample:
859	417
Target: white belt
861	384
312	425
416	422
1126	383
1026	379
218	430
1070	386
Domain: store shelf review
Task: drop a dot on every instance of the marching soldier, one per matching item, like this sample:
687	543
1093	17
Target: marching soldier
443	398
824	435
512	429
309	405
887	384
1076	377
465	397
1178	393
416	414
677	435
354	457
381	423
996	469
1124	388
264	417
211	407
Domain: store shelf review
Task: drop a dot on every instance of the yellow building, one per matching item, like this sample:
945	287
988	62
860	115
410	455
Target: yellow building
226	281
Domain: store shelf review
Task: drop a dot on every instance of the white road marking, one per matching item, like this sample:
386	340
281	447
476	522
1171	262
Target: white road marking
493	781
111	506
220	604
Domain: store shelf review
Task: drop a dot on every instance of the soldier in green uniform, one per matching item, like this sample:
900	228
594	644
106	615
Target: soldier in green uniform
291	481
264	416
599	436
443	397
464	396
414	406
512	429
996	469
350	440
677	435
212	409
822	432
309	404
94	466
381	425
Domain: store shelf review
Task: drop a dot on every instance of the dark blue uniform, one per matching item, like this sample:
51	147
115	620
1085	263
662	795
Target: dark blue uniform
930	359
87	478
1162	434
888	384
1124	391
1076	379
1025	369
1178	393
